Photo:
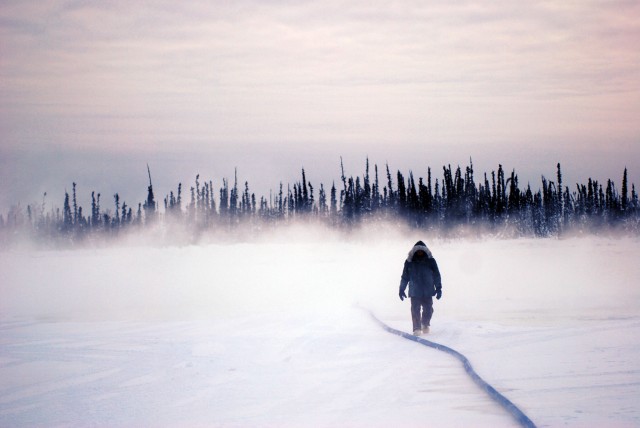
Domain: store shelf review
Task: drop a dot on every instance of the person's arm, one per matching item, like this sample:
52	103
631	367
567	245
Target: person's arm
404	280
437	279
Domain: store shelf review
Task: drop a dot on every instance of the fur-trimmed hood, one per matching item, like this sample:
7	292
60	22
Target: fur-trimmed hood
417	247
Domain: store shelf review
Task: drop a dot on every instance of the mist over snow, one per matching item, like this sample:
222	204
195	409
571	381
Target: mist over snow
272	332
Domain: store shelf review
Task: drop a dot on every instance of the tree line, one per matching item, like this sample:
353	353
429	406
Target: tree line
454	203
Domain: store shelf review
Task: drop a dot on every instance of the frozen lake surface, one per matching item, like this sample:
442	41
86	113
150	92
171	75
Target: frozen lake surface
270	334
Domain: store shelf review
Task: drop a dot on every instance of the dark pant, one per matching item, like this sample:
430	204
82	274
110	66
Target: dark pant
424	305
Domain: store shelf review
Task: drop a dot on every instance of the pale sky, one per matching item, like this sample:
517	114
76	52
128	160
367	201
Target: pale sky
90	91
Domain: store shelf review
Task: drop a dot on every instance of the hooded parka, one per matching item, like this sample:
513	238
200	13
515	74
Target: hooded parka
421	273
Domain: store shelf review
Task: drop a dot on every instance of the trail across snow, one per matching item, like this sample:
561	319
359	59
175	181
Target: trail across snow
267	334
493	393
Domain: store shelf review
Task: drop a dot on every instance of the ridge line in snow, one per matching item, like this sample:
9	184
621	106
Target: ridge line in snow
518	414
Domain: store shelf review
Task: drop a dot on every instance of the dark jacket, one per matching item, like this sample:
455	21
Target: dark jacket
421	274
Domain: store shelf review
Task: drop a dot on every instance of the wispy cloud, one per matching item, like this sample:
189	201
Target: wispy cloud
314	71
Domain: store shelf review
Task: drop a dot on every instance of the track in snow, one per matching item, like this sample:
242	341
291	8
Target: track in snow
493	393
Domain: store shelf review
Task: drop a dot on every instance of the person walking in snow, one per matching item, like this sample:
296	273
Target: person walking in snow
423	277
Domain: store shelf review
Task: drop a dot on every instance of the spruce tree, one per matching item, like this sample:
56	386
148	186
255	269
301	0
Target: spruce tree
191	210
233	197
402	195
150	203
625	191
376	190
94	210
224	198
212	206
75	205
67	216
124	213
116	198
333	202
322	201
366	197
391	198
560	201
305	192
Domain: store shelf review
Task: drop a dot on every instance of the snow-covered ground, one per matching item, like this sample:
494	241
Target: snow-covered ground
272	334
